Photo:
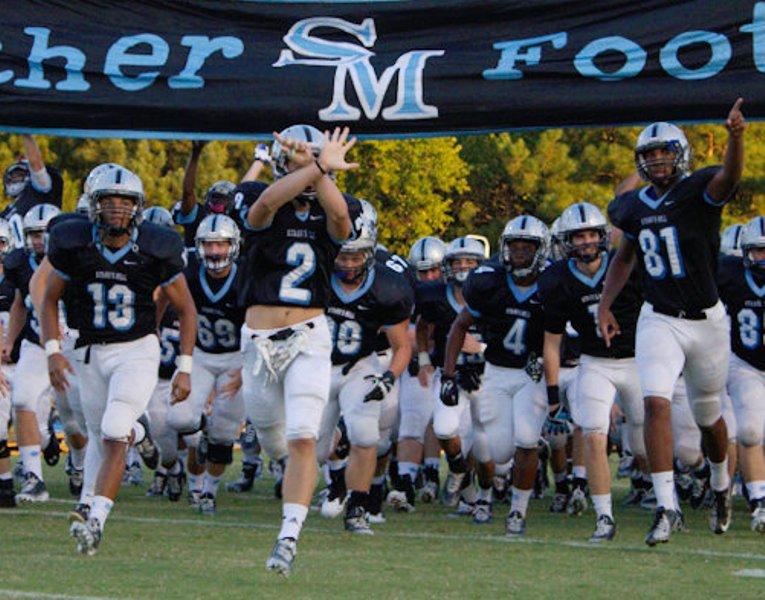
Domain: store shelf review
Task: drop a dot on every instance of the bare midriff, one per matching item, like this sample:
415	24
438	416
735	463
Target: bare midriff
263	316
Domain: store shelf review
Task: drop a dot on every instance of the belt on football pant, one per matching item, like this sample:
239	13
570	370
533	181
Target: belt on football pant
689	315
284	334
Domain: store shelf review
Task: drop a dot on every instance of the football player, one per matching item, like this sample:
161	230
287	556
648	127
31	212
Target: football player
570	290
671	229
459	433
501	298
365	298
297	225
213	277
730	240
417	392
112	267
27	183
742	289
31	392
7	493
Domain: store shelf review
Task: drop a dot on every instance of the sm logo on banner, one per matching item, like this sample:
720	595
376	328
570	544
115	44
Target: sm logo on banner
352	60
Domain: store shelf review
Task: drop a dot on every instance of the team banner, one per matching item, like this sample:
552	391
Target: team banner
240	69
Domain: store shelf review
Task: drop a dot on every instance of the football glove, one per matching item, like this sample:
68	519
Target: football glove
558	421
469	378
534	367
381	385
262	154
414	366
450	394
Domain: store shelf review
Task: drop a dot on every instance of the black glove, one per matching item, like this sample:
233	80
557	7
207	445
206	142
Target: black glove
381	385
469	378
414	366
553	395
534	367
450	394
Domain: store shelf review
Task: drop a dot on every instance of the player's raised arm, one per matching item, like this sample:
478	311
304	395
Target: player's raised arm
332	158
724	183
37	172
189	195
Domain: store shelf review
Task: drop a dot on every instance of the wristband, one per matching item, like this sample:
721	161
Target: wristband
553	395
483	347
424	359
183	362
318	165
52	347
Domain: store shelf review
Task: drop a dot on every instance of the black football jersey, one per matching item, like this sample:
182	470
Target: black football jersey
7	295
112	289
742	291
169	343
509	318
677	238
568	295
219	319
355	318
20	265
29	197
571	348
289	262
191	221
402	267
438	305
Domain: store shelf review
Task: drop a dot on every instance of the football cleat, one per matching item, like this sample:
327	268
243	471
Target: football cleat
194	498
605	529
7	494
246	479
206	504
175	485
398	501
515	525
75	482
133	474
683	485
758	516
719	520
52	451
464	508
577	502
88	536
559	504
356	521
452	487
648	501
282	556
158	485
625	466
429	491
33	490
332	506
482	512
376	518
80	513
499	485
663	524
700	487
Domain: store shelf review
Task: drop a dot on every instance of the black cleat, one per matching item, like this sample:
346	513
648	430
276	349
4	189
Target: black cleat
175	484
605	529
719	520
663	524
146	448
52	451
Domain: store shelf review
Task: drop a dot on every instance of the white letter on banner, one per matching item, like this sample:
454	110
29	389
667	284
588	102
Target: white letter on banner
118	57
202	47
75	61
635	55
721	53
757	29
505	68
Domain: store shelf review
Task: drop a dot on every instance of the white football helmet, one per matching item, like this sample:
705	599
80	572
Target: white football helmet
663	135
557	251
365	241
301	133
730	240
583	216
117	181
159	216
531	229
462	247
15	178
753	236
87	187
83	204
36	220
218	228
6	238
427	253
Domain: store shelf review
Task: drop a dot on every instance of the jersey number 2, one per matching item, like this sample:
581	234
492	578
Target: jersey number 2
301	256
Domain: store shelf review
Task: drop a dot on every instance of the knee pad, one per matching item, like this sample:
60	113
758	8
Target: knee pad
222	454
5	452
706	409
363	431
273	440
750	434
384	444
183	420
480	449
117	422
688	455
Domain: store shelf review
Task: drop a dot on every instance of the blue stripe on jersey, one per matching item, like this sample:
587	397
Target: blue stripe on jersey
182	219
348	297
452	300
759	291
114	255
520	296
589	281
709	200
33	261
215	298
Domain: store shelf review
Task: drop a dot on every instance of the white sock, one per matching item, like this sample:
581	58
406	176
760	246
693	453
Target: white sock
30	458
718	475
408	468
485	494
579	472
664	488
195	482
132	455
100	509
602	504
90	473
161	470
210	484
6	476
325	474
78	457
293	516
520	500
756	490
433	462
336	465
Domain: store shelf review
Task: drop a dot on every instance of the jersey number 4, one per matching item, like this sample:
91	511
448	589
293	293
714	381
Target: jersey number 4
115	306
301	256
515	339
655	263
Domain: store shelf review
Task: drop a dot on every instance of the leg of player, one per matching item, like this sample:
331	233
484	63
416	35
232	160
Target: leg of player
577	501
28	437
431	463
7	493
252	463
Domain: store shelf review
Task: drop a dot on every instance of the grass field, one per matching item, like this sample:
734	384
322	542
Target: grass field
155	549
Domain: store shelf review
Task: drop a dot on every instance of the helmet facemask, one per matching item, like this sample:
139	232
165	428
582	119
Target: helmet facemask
351	266
586	252
458	274
217	261
645	165
522	260
15	179
750	261
34	244
114	216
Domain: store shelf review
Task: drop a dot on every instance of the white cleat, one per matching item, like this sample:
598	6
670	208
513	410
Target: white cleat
332	508
282	556
88	536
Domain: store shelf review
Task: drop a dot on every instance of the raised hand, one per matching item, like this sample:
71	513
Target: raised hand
299	153
735	123
336	145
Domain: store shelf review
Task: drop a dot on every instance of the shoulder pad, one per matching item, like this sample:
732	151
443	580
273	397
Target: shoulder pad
430	291
159	242
71	233
14	259
61	217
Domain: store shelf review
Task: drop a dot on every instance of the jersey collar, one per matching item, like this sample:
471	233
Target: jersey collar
520	296
33	261
595	279
758	290
654	203
452	299
114	255
216	297
348	297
